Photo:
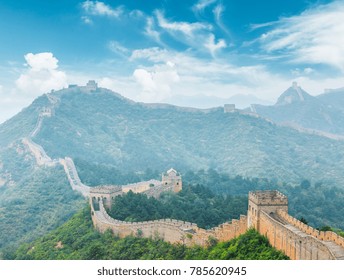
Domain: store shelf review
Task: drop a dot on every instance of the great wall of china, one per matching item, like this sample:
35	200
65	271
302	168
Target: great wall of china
267	211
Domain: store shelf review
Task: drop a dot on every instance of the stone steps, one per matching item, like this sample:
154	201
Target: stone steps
337	250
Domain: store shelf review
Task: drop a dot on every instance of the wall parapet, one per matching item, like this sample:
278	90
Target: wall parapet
322	235
268	197
295	244
171	230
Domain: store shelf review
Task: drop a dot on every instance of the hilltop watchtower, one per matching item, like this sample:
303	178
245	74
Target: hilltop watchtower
106	193
266	201
172	178
91	85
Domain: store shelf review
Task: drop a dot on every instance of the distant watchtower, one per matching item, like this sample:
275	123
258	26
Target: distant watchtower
172	178
91	85
266	201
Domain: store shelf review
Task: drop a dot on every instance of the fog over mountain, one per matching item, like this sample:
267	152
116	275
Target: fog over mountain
100	128
295	107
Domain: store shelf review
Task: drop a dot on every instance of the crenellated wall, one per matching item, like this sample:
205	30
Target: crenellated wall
322	235
268	213
293	242
173	231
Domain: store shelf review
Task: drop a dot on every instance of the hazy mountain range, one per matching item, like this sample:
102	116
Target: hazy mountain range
295	107
102	127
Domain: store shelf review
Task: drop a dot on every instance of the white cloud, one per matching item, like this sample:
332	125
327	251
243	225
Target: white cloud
213	77
212	46
185	28
42	74
156	83
118	48
87	20
218	12
302	72
196	35
98	8
151	32
315	36
202	4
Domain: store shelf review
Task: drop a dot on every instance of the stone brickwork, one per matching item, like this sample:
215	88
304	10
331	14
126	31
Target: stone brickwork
173	231
322	235
268	213
267	210
172	178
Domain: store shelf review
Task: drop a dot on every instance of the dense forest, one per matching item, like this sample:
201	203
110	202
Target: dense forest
318	203
77	239
195	204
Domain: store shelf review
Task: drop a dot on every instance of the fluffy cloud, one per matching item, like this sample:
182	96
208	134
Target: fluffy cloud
156	83
41	75
209	77
212	46
98	8
315	36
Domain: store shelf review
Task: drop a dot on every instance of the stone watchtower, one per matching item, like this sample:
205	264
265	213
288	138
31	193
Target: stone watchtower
172	178
266	201
91	85
106	193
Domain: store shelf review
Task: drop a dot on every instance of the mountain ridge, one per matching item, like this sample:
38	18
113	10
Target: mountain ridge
296	107
102	128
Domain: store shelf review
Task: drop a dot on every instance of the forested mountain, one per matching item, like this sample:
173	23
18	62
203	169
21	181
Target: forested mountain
103	127
295	107
115	140
77	239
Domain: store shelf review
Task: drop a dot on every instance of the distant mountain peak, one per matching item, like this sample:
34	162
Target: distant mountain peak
293	94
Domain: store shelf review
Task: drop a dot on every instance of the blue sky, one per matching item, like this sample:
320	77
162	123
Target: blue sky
193	53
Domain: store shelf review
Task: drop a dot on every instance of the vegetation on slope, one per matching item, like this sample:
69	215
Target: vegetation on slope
195	204
37	200
317	202
77	239
103	128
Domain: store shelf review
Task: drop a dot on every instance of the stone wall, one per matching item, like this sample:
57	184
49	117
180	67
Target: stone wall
322	235
141	186
173	231
293	242
267	213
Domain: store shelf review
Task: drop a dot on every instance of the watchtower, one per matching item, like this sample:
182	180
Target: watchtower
172	178
91	85
106	193
266	201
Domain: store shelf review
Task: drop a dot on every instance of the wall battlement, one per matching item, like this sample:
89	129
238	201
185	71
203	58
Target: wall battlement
267	213
321	235
268	198
173	231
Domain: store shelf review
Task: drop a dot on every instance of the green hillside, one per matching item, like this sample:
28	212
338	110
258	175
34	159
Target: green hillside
34	200
114	140
77	239
102	127
324	112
